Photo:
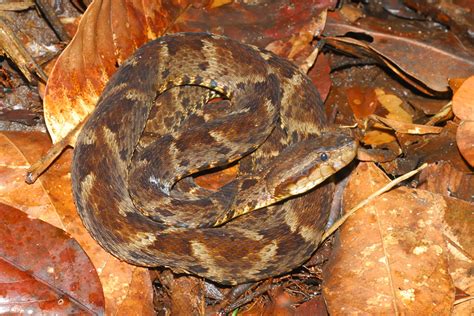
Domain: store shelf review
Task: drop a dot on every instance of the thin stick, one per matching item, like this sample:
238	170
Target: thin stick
382	190
48	12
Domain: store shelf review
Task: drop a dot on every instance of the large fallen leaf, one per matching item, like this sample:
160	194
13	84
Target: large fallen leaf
43	270
127	289
31	199
457	15
429	55
282	26
391	257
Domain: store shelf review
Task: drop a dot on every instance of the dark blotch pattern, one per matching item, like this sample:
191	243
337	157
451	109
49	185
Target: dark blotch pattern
203	66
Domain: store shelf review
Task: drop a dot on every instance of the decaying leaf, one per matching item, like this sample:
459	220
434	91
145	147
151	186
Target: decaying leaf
391	257
184	294
459	232
125	287
463	100
44	271
444	178
399	46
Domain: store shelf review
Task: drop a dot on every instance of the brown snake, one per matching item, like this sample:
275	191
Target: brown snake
135	195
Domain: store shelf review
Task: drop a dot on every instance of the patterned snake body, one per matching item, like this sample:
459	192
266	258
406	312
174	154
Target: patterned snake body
134	194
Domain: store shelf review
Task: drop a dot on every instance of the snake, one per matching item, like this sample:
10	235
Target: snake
153	130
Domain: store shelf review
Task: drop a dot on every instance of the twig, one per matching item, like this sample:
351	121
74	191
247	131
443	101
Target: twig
444	114
382	190
15	50
53	20
463	300
41	165
244	300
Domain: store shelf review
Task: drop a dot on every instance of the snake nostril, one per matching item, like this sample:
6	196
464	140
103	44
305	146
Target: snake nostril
324	157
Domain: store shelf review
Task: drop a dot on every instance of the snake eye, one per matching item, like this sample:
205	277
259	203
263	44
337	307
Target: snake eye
324	156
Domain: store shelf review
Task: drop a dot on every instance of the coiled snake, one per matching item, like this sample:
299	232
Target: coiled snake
135	195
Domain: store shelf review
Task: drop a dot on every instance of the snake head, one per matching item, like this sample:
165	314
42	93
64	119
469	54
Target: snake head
297	169
320	158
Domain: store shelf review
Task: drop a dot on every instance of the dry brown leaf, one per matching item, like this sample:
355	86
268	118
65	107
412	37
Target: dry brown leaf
367	102
315	307
125	287
459	231
455	83
185	294
434	147
444	178
31	199
431	56
394	106
391	257
378	137
427	106
362	100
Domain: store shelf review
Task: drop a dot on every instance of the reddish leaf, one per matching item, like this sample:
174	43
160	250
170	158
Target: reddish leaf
315	307
465	140
463	100
44	269
463	108
319	74
363	101
126	287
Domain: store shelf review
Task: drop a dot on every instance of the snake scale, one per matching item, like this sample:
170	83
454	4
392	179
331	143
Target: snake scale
136	194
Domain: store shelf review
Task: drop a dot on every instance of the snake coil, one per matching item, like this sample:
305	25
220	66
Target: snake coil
273	123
